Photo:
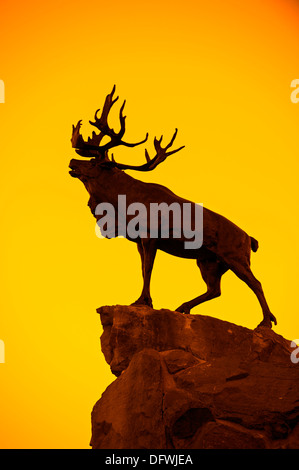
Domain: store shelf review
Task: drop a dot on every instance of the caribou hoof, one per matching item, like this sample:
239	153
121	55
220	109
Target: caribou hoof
268	321
183	309
142	301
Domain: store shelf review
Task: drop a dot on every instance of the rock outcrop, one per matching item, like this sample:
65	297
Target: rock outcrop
194	382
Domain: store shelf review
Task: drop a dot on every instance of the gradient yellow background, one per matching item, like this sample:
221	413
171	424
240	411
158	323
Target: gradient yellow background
221	73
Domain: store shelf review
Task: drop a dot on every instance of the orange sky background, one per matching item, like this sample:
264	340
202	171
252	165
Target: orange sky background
218	71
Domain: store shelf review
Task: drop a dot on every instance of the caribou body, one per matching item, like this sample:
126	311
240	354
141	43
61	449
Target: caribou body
224	245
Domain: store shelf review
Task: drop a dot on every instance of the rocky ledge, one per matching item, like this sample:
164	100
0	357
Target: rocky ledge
194	382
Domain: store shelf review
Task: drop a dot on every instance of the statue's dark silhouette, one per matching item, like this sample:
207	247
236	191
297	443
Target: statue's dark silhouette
225	246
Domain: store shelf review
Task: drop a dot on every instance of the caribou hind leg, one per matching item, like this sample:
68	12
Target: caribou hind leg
211	271
243	271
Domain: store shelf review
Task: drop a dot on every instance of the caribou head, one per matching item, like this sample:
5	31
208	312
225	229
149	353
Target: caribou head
97	153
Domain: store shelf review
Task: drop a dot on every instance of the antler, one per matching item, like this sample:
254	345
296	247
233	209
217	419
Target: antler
93	144
151	164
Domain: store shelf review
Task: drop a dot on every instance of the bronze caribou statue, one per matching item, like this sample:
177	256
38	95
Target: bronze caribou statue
224	246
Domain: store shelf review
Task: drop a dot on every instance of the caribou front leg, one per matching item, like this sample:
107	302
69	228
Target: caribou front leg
147	249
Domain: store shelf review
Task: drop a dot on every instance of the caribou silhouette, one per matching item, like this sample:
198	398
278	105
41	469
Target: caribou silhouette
225	246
